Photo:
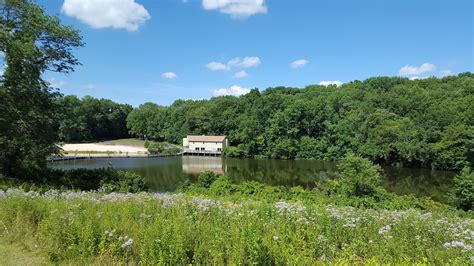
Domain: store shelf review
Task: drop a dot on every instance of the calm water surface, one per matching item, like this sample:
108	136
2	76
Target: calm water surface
165	174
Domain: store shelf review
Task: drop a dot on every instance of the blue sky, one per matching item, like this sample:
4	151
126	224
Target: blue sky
162	50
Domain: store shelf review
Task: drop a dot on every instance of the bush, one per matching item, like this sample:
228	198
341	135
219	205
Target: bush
172	150
146	144
233	152
155	148
124	181
205	179
462	194
359	177
82	179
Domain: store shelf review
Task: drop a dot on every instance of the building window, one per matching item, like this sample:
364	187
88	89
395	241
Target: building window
202	149
196	148
203	142
219	149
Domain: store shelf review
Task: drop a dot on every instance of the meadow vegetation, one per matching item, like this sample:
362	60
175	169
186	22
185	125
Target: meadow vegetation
107	216
214	220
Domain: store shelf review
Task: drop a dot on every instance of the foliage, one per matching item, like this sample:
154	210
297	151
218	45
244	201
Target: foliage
81	179
156	148
91	119
124	181
359	175
205	179
462	194
395	121
33	43
176	229
146	144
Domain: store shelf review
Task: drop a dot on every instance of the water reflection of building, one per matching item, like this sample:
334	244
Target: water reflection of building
199	164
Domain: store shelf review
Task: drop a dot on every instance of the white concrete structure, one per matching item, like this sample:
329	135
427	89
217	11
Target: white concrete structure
204	144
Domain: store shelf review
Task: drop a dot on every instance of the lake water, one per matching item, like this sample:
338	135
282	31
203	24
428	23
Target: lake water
165	173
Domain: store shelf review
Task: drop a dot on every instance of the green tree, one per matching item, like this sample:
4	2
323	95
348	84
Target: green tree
462	194
33	43
359	174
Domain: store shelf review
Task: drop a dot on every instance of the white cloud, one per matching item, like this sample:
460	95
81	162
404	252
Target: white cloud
119	14
414	70
88	86
241	74
59	84
237	62
331	82
445	73
234	91
299	63
236	8
248	61
416	77
214	66
169	75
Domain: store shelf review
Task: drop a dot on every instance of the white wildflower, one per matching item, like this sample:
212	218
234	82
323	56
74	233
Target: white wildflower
127	244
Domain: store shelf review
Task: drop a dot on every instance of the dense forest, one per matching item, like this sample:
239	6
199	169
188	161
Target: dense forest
391	120
91	119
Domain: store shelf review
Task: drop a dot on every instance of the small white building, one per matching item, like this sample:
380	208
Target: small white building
205	143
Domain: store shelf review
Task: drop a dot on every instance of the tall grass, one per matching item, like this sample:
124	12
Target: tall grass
182	229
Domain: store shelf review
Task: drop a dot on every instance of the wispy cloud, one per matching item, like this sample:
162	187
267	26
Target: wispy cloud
119	14
216	66
299	63
237	62
88	86
241	74
169	75
247	62
409	70
59	84
236	8
233	90
445	73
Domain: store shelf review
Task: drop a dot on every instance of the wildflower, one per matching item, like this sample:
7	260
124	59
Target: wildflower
417	237
289	208
458	244
384	230
127	244
275	238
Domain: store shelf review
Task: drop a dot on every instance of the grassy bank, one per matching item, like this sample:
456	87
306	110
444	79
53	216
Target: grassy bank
181	229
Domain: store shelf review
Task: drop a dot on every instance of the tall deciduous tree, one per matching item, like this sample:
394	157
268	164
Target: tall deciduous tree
32	43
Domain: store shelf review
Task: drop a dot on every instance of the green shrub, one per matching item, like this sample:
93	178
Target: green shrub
222	186
205	179
155	148
462	194
172	150
124	181
146	144
358	175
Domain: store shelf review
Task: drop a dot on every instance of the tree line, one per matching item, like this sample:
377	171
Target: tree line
91	119
390	120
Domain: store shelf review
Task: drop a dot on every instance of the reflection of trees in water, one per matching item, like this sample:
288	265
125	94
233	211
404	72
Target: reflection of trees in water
421	182
278	172
165	174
